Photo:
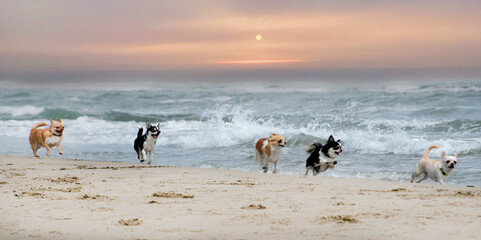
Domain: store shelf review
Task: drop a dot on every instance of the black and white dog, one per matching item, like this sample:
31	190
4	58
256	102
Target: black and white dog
322	156
144	144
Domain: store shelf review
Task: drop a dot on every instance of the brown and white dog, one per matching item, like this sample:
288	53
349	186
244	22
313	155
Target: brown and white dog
269	150
436	170
47	137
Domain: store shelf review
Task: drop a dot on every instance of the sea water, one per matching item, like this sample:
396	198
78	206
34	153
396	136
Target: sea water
384	127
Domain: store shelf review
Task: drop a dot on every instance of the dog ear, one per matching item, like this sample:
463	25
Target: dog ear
443	155
339	140
59	120
331	139
148	124
455	155
158	126
51	121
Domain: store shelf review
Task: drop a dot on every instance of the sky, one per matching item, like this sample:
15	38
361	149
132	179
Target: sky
91	36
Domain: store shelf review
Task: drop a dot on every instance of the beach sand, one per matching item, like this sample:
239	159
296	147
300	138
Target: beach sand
50	198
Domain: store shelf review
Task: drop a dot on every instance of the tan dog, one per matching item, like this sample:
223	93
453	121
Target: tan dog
269	150
47	137
436	170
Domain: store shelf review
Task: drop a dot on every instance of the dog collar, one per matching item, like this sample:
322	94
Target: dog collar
56	134
442	171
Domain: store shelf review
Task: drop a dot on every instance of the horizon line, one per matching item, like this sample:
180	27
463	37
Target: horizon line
264	61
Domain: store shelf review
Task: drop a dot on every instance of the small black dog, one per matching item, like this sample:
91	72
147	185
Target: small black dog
322	156
146	143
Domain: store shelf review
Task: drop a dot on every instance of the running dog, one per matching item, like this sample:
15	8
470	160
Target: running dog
436	170
322	157
269	150
46	137
144	144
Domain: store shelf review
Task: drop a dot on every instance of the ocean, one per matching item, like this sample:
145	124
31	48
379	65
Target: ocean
384	127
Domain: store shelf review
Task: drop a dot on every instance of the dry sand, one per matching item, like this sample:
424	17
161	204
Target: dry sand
51	198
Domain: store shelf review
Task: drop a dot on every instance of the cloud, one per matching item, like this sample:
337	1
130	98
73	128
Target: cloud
109	35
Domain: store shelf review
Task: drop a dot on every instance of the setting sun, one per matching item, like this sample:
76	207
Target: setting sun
259	37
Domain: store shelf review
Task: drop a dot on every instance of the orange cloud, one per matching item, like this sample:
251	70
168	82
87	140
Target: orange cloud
399	36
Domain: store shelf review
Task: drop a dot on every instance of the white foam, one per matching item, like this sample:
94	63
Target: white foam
229	125
213	130
193	100
73	99
92	130
15	128
26	110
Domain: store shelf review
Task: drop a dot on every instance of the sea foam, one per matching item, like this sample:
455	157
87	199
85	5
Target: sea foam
20	111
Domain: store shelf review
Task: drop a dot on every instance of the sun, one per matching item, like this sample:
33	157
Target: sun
258	37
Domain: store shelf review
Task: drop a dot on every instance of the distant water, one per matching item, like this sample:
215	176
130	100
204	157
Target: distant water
384	127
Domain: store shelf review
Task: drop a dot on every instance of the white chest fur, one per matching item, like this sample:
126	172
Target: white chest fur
53	141
149	144
275	154
325	159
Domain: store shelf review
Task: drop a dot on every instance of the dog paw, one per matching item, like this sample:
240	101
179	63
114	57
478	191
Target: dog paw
61	153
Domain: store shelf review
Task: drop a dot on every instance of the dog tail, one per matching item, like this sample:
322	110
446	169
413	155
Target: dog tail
426	154
38	125
139	133
313	147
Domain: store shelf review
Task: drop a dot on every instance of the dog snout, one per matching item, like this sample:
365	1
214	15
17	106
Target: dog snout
335	162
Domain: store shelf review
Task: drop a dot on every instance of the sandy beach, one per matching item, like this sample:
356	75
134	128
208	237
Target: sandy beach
50	198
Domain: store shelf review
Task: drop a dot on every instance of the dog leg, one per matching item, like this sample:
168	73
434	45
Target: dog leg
143	157
441	181
275	167
413	175
59	149
265	165
48	149
151	156
34	149
424	178
307	170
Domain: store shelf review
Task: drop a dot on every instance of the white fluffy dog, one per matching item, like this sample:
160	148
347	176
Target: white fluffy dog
436	170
